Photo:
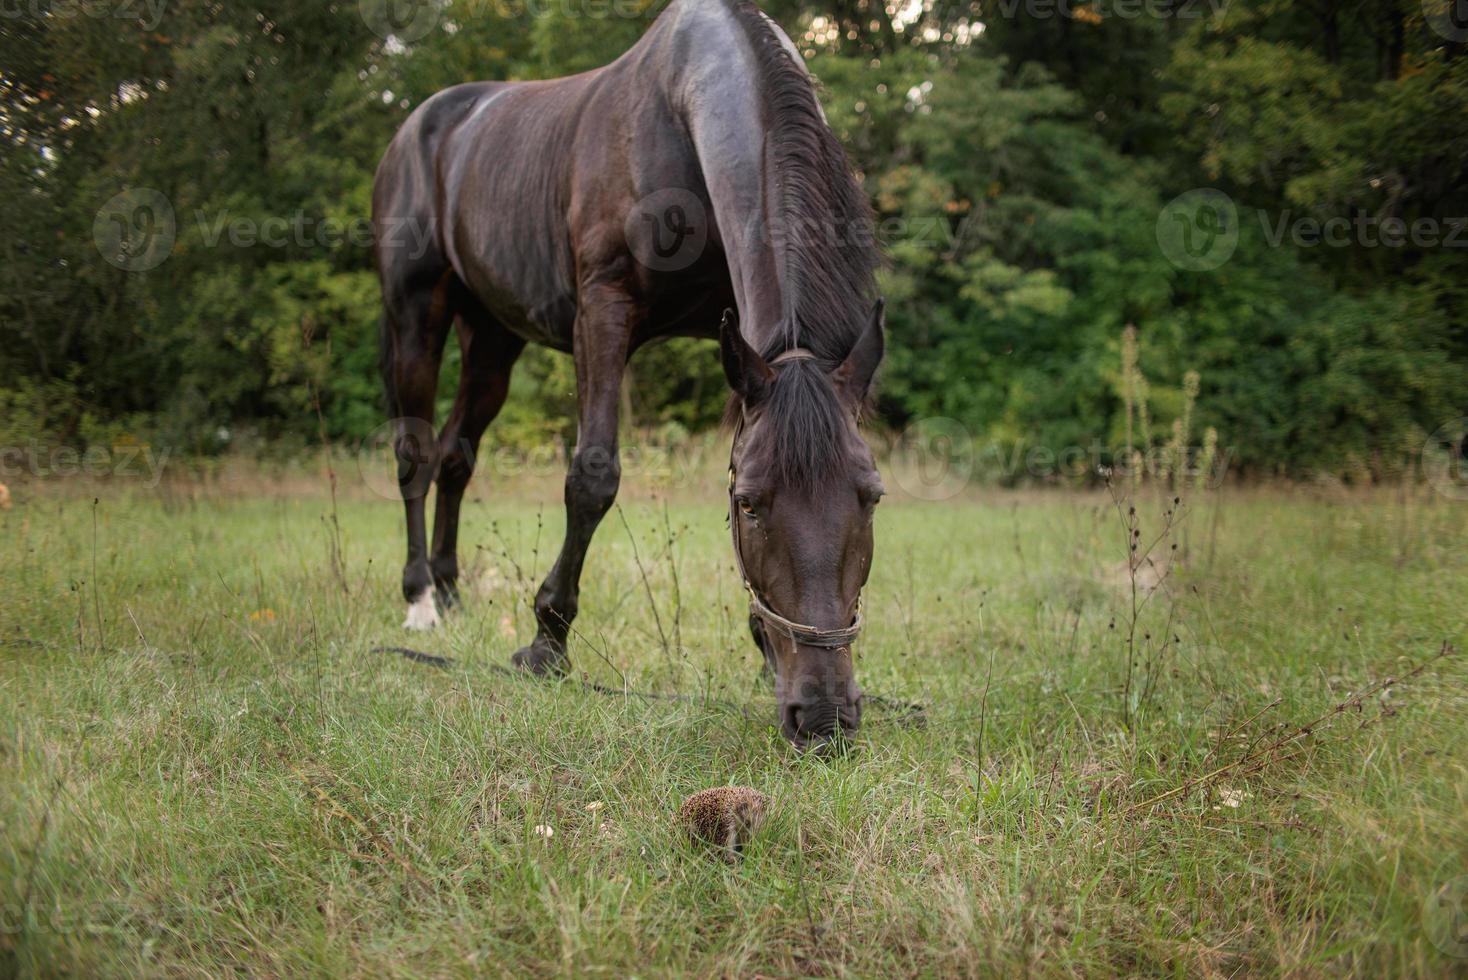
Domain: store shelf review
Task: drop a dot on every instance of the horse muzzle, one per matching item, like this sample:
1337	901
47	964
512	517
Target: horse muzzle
816	724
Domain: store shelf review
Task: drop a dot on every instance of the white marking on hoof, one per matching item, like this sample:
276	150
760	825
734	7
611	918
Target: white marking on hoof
423	613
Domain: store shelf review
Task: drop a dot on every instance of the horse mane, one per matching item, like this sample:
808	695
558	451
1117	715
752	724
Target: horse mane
823	232
824	239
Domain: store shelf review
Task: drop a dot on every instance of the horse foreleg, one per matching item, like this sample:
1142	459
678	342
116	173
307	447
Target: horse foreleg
604	325
757	631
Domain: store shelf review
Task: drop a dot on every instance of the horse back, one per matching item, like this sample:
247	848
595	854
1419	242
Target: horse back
535	189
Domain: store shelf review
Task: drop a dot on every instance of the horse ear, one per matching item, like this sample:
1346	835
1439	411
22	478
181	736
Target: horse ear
854	377
747	372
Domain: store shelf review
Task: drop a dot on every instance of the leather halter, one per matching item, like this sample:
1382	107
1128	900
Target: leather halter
798	632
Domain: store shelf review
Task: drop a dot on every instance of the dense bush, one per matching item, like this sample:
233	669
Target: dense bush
1019	171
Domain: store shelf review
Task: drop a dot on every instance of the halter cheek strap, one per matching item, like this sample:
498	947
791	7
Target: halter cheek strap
801	633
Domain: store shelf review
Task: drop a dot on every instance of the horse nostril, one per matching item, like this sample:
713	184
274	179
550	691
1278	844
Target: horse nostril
819	720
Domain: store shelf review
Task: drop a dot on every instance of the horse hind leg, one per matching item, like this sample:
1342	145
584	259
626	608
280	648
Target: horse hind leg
488	354
416	322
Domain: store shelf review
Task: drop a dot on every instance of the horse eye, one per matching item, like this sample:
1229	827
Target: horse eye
745	507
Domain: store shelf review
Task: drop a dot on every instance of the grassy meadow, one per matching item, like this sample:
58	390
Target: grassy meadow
206	768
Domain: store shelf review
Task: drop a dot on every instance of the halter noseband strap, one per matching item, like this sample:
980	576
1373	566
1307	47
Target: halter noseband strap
793	354
798	632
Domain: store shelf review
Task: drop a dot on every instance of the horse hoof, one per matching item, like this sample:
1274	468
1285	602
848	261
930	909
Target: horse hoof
542	658
422	613
448	597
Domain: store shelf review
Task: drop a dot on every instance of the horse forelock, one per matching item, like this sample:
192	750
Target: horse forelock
802	427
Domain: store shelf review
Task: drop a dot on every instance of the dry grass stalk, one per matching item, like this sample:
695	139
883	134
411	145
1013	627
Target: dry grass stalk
1267	755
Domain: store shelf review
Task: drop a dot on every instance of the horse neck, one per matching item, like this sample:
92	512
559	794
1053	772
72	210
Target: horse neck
714	85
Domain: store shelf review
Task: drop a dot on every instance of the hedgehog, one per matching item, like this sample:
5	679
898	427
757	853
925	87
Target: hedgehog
725	816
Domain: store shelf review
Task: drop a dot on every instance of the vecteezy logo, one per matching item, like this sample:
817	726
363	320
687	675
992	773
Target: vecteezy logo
1448	18
397	459
1445	917
667	230
135	230
1444	465
406	20
933	459
1198	230
675	219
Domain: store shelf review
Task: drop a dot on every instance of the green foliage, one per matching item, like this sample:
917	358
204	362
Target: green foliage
1018	173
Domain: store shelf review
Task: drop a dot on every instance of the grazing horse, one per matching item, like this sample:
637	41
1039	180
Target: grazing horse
599	212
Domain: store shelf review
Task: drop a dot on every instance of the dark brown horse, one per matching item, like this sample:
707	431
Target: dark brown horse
600	212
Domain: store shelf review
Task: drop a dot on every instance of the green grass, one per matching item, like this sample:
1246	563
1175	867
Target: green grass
223	776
